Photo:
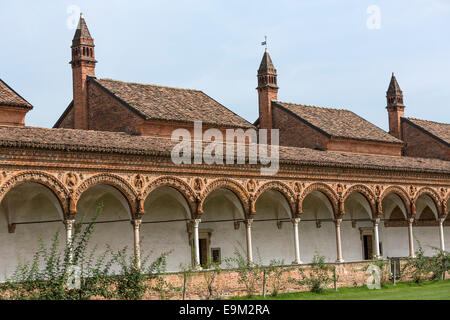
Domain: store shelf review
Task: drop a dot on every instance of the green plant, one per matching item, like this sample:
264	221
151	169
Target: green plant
439	264
419	267
249	274
212	271
274	274
317	277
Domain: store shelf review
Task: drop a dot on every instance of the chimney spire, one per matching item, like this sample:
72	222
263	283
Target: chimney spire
267	90
395	107
83	65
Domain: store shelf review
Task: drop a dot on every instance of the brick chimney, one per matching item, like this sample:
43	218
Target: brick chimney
395	107
267	90
83	65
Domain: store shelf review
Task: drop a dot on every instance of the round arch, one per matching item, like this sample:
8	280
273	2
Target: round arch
55	186
114	181
175	183
282	188
401	193
365	192
228	184
432	194
324	189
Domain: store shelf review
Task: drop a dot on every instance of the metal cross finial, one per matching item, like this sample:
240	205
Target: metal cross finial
264	43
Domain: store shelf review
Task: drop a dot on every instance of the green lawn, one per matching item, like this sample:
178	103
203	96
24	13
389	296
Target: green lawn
402	291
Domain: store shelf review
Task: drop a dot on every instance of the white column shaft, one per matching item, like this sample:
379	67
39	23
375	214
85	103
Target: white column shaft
338	240
248	224
295	223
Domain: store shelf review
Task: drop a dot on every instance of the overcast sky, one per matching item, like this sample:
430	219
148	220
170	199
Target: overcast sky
327	53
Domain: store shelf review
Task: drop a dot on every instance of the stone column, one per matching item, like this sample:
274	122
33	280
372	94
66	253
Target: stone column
377	238
136	223
248	225
69	223
337	223
441	233
295	223
411	238
195	224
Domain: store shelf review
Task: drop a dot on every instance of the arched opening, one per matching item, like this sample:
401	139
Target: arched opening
165	226
394	230
221	231
357	232
29	212
114	218
273	215
425	228
316	228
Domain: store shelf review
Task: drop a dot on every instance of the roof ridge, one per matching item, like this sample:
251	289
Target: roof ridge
411	118
150	84
311	106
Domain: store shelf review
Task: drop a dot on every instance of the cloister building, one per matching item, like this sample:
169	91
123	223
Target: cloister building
345	188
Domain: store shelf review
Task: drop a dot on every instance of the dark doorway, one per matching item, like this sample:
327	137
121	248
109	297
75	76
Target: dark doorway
203	251
368	247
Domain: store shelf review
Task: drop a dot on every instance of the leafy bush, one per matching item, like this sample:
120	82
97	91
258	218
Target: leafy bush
274	273
318	277
213	270
248	274
49	272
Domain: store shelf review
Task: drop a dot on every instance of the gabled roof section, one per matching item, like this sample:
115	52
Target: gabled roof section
337	123
10	98
64	115
439	131
153	102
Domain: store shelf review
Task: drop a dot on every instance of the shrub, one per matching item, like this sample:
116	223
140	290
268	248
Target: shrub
318	277
274	273
248	274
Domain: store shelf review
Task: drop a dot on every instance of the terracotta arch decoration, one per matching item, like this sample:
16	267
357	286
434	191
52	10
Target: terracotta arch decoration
326	190
179	185
432	194
231	185
42	178
366	192
401	193
282	188
112	180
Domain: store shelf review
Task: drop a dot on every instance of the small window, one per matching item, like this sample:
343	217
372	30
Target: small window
215	255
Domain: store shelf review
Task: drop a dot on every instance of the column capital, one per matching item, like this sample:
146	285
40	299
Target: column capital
376	221
338	222
411	220
136	222
295	220
441	220
196	222
248	222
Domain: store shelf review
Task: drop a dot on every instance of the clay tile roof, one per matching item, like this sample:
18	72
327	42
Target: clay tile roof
10	98
440	131
338	123
172	104
123	143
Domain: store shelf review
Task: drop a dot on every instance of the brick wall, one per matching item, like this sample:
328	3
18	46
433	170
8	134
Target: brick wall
420	144
107	114
67	121
295	133
227	282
